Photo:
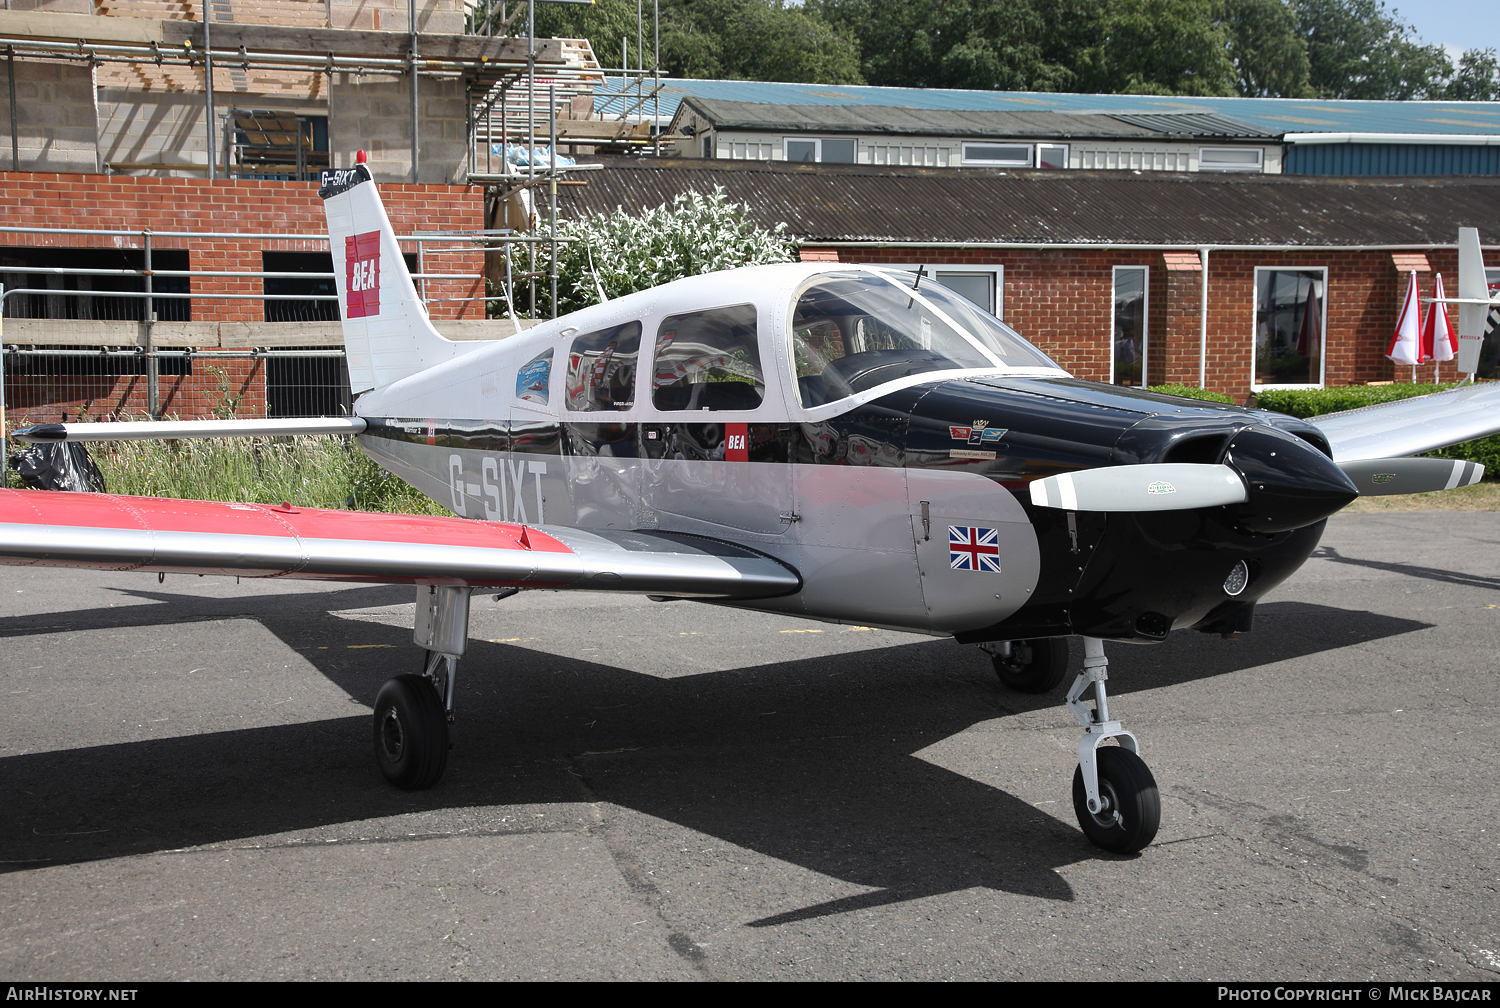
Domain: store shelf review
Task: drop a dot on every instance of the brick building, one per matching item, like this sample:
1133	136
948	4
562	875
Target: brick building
249	356
1105	270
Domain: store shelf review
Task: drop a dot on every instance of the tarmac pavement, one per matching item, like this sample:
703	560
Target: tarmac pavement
679	791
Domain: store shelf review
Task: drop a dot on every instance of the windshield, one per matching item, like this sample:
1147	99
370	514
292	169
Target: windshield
998	338
852	331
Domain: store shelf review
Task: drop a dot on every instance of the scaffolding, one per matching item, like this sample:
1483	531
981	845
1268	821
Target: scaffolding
519	92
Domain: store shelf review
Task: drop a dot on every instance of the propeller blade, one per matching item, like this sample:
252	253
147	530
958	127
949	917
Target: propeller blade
1167	486
1382	477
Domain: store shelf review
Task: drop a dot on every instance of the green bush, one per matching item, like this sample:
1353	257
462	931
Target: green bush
1191	392
622	253
1316	402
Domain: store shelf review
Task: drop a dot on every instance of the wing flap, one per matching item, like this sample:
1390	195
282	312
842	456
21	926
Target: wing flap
1412	426
108	532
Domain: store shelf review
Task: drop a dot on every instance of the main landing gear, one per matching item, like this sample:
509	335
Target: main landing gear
414	713
1114	794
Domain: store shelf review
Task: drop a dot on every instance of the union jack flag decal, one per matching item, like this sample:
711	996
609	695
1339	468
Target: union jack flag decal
973	549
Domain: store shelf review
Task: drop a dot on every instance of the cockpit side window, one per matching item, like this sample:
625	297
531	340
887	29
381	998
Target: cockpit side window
601	369
852	331
708	360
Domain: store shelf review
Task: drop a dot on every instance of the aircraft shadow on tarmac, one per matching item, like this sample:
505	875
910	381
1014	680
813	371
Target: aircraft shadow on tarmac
807	761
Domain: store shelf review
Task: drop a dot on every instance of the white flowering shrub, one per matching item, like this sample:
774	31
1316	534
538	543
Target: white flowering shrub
624	253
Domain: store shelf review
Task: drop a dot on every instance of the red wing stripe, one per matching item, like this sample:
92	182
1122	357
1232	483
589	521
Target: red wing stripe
110	511
101	531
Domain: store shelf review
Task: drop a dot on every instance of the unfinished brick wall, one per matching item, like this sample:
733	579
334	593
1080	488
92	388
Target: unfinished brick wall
34	199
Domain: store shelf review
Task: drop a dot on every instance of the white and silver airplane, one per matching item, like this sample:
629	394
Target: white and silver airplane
827	441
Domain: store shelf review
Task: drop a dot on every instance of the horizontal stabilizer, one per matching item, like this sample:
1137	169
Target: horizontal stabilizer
1168	486
152	430
99	531
1383	477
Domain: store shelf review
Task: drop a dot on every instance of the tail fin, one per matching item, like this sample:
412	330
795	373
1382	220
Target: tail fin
387	335
1471	286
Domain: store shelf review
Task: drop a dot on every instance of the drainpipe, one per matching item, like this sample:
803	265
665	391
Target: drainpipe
1203	324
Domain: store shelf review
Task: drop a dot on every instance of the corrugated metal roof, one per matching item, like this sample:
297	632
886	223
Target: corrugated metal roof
1273	115
824	203
892	119
1198	124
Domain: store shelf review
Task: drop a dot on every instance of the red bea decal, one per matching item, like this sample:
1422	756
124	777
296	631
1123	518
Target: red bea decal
362	274
737	442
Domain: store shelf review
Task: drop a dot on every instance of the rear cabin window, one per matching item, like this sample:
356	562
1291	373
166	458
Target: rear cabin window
601	369
708	360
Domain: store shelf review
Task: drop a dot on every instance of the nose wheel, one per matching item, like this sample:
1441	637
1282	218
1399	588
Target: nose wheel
1114	794
1129	804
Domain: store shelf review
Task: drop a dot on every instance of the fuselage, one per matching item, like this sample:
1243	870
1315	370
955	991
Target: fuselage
778	408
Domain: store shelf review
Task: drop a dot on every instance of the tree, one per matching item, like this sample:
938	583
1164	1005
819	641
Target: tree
1268	54
623	252
977	44
1158	47
732	39
1477	78
1358	49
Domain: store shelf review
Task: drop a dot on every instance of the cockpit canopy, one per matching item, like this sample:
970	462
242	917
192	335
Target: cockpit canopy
855	329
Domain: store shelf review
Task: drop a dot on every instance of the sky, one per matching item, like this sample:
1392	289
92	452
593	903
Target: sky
1456	24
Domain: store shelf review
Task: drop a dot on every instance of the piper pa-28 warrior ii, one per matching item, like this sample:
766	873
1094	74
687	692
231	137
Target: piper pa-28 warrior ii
826	441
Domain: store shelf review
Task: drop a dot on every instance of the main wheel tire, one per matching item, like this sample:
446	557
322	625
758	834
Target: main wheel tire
1035	666
411	733
1132	806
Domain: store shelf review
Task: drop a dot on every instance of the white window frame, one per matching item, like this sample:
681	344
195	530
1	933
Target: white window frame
1206	164
988	162
1036	155
1145	322
933	269
817	143
1323	326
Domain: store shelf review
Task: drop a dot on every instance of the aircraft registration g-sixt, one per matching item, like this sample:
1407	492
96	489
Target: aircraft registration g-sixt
826	441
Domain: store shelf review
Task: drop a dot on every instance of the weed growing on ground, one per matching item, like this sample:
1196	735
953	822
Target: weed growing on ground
306	470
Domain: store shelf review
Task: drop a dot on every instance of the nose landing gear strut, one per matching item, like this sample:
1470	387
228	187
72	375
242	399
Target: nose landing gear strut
1114	793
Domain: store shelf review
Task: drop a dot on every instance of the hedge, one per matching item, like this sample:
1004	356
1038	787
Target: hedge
1190	392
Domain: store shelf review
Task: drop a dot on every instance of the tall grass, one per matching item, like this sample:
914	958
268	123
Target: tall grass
306	470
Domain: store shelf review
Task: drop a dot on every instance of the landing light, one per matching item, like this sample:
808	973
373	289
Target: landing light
1238	578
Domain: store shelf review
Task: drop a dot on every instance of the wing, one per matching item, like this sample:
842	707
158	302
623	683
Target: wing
110	532
1410	426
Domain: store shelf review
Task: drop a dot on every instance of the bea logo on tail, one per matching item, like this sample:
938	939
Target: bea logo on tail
362	273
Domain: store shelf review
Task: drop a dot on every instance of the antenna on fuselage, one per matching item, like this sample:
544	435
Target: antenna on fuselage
921	270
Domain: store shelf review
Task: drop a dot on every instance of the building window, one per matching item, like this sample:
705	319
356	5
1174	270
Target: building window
1006	155
1129	347
984	286
1052	155
816	149
708	146
276	145
69	301
1290	318
1230	158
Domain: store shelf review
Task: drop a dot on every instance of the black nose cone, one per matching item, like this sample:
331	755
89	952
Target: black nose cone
1290	483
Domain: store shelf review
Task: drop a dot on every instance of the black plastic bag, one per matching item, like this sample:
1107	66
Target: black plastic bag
61	465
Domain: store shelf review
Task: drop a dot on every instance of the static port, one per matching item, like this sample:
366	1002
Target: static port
1239	577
